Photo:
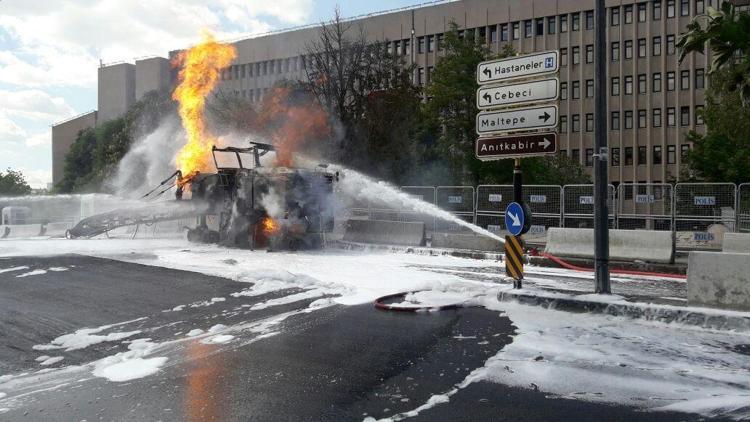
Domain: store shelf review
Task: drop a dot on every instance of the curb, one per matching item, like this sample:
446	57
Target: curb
417	250
704	318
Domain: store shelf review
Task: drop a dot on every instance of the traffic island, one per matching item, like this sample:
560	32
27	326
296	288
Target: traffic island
630	308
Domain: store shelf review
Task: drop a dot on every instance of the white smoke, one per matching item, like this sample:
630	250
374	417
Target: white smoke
273	203
149	160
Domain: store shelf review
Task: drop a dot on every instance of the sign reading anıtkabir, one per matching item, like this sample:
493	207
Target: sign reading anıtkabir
518	67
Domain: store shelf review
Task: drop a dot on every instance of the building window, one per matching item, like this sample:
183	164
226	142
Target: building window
656	154
642	83
614	120
629	119
700	7
551	25
614	16
420	45
407	47
576	123
684	79
564	124
699	115
671	154
642	159
656	46
671	117
589	20
575	21
589	157
628	85
642	120
430	69
684	150
615	157
615	86
589	122
493	35
670	45
699	78
684	7
539	30
641	47
575	155
628	156
628	49
685	116
420	76
641	12
563	90
576	55
503	32
482	35
589	88
656	10
629	13
670	8
670	81
563	23
656	82
656	117
576	89
590	53
516	30
431	40
564	56
614	51
527	29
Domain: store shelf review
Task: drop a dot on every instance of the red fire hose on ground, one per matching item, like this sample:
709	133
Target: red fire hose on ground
570	266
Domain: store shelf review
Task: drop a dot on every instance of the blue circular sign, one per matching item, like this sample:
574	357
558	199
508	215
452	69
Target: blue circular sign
515	218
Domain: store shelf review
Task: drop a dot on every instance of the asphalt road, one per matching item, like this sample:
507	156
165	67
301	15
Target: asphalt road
330	364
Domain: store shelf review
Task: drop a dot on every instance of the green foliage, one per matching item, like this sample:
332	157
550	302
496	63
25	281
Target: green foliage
12	183
727	33
723	153
95	153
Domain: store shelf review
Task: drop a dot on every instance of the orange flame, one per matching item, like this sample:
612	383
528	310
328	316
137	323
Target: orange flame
270	226
292	122
201	66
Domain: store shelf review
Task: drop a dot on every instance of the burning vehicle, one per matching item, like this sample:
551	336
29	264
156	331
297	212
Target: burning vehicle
262	207
242	204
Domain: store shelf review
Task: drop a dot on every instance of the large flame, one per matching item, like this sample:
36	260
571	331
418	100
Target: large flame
291	122
199	73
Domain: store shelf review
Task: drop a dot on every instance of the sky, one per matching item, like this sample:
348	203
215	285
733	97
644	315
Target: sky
50	50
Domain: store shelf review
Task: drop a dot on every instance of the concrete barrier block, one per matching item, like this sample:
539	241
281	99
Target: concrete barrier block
385	232
624	245
56	229
719	280
736	242
25	230
465	241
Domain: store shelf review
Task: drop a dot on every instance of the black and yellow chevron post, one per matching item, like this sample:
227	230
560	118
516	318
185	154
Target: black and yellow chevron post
514	259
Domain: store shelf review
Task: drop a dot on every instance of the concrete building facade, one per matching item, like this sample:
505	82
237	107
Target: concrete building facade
63	135
653	101
152	74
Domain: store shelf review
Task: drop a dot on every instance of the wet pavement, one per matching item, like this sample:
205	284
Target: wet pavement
285	360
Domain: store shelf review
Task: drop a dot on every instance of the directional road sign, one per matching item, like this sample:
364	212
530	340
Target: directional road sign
516	146
517	93
493	122
518	67
514	218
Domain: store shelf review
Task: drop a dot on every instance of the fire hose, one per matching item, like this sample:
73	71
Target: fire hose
570	266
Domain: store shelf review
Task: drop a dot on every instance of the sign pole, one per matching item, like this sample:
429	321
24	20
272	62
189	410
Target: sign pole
518	197
601	212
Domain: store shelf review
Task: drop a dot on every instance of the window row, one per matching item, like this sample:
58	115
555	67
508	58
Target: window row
625	49
657	155
626	13
629	119
268	67
625	85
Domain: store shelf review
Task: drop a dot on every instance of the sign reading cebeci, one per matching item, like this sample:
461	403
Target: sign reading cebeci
518	67
517	93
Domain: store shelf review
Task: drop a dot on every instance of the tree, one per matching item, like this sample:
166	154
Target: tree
95	153
452	108
723	153
727	33
12	183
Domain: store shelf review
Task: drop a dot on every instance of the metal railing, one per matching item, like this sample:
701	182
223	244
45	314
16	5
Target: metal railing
578	206
459	201
703	212
645	206
743	207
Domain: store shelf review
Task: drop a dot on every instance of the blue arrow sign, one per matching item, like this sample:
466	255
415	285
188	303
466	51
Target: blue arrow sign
514	218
